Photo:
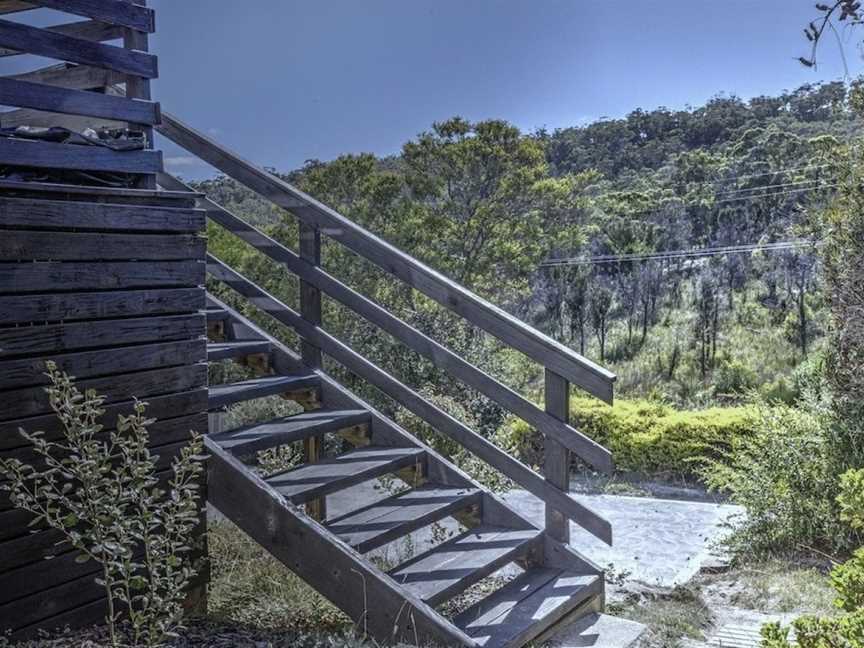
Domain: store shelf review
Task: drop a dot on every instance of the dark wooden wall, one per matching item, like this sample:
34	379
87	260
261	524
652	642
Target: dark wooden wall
109	284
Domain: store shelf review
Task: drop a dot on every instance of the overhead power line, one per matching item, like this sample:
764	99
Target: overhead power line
678	254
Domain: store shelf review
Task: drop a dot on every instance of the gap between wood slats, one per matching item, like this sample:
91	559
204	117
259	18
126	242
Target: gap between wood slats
41	42
116	12
92	30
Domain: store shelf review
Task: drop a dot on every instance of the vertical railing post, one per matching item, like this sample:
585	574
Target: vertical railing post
556	457
139	87
310	309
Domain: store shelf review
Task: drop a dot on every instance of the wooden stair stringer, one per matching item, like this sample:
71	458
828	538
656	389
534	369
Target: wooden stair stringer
547	553
356	586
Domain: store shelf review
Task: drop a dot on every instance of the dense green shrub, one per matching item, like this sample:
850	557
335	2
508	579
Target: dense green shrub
845	630
100	490
648	436
786	477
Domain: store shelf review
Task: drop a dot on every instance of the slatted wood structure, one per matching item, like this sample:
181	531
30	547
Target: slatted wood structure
108	283
287	513
105	281
74	92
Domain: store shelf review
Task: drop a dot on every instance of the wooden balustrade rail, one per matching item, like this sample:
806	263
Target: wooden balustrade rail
562	365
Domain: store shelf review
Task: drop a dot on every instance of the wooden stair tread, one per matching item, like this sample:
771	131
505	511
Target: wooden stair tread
527	606
222	395
455	565
288	429
236	349
337	473
382	522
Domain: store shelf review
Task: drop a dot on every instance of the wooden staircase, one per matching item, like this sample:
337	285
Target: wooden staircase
401	601
286	511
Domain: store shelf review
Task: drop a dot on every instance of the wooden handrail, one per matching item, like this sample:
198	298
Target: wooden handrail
555	498
585	447
549	353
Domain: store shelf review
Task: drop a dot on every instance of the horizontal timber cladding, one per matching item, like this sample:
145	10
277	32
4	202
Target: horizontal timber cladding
55	307
95	246
109	285
158	407
32	401
26	213
50	44
101	362
26	94
59	338
54	155
24	277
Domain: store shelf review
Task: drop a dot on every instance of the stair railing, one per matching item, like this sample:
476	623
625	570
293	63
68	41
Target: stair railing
562	365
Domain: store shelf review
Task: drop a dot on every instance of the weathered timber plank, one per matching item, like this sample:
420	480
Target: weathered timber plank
25	94
452	567
57	214
331	568
41	42
377	524
440	356
20	309
159	407
541	348
45	119
92	30
414	402
42	277
228	394
58	338
36	607
30	372
166	437
288	429
69	156
115	12
115	195
326	476
525	607
556	457
20	245
74	77
21	403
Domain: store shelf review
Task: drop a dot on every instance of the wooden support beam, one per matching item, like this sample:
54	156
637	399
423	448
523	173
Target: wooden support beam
556	457
114	12
66	156
43	119
25	94
41	42
91	30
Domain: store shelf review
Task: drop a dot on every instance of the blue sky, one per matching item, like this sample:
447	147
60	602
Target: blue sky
282	81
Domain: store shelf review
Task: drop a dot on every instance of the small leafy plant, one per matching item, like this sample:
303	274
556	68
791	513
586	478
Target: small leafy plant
101	491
